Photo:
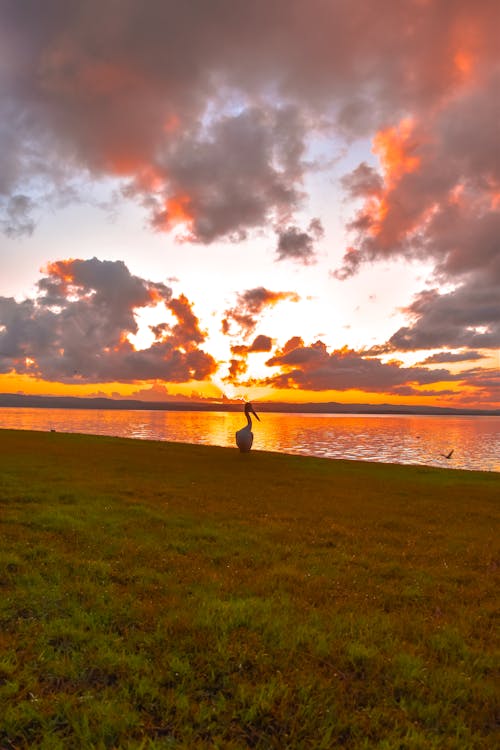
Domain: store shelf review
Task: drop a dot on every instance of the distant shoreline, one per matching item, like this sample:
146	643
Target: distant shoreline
74	402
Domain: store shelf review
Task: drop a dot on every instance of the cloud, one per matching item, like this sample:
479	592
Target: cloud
436	199
408	390
16	215
362	182
432	204
261	343
294	244
242	319
238	364
154	394
249	308
76	329
314	368
237	367
158	98
446	357
467	317
186	332
241	174
485	381
206	114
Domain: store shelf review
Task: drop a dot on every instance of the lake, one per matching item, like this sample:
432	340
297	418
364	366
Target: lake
405	439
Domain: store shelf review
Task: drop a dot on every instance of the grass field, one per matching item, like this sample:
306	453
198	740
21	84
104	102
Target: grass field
161	595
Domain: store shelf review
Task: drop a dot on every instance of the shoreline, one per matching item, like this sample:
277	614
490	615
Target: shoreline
255	451
8	400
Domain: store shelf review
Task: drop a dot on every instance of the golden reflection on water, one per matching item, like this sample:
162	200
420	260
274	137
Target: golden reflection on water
387	438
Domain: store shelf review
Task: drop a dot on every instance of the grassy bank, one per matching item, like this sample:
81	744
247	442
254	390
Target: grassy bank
159	595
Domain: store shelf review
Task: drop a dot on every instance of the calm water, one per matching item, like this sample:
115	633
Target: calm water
387	438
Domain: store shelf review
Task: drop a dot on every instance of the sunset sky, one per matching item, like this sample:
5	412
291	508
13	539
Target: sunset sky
275	200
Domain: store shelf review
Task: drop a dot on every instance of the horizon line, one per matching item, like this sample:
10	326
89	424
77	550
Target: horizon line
324	407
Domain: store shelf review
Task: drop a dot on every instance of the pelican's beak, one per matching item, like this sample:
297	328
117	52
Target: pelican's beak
255	414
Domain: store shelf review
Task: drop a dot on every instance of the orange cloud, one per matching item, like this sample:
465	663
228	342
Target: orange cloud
178	209
177	212
171	124
237	367
383	215
495	200
468	37
124	164
395	148
61	269
187	332
249	307
79	328
464	63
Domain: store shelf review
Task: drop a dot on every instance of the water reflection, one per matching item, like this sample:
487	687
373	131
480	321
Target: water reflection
387	438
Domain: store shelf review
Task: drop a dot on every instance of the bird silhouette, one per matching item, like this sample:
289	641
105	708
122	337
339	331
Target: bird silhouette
244	437
447	455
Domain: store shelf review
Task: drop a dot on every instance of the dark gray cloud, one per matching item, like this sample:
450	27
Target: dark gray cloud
314	368
362	182
189	102
260	343
437	200
449	357
160	96
16	217
76	329
295	244
467	317
241	174
249	307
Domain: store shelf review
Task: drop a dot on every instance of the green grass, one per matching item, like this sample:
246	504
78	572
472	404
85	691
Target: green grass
160	595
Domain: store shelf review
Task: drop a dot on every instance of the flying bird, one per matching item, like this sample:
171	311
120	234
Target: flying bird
244	437
447	455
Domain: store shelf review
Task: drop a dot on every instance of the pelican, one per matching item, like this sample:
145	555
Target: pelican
244	437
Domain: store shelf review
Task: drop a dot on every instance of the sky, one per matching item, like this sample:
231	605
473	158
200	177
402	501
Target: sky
276	200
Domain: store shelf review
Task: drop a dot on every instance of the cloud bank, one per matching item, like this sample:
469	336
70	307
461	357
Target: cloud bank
205	113
76	329
79	326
